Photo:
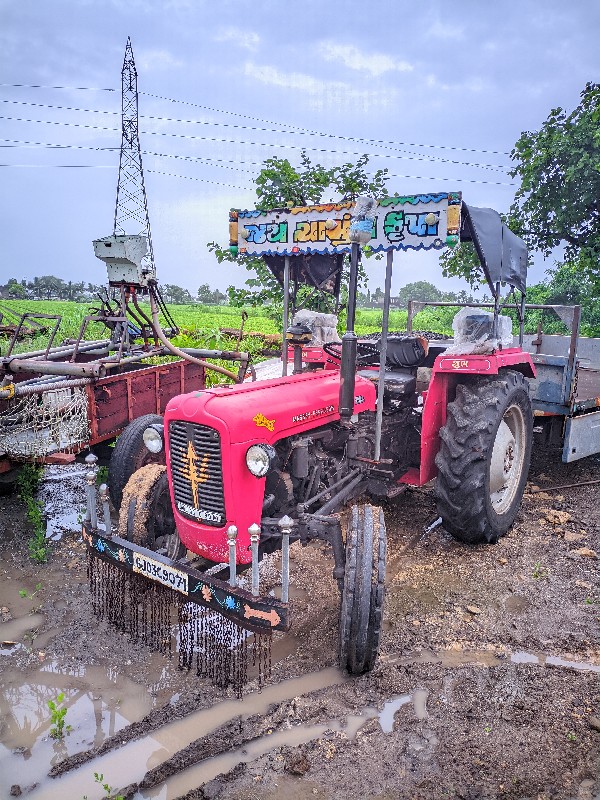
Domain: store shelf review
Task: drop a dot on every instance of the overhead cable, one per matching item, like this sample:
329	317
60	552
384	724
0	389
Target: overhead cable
269	122
299	131
224	163
258	144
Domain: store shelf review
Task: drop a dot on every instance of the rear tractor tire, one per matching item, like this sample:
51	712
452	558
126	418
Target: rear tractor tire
146	516
484	457
364	589
130	454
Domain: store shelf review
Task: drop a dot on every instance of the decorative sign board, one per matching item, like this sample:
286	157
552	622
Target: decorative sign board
410	222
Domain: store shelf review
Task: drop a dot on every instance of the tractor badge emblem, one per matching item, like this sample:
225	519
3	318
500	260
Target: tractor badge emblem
196	470
263	422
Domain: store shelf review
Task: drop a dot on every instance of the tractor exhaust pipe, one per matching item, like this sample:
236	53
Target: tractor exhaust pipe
349	343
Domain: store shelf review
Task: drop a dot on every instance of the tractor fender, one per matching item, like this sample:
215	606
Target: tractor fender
448	370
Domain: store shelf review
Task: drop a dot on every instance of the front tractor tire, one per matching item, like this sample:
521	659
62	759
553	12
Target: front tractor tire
130	454
146	517
484	457
364	589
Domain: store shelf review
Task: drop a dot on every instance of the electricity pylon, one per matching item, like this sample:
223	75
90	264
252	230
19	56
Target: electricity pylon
131	209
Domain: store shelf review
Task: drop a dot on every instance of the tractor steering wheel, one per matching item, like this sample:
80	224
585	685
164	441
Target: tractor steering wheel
367	354
333	349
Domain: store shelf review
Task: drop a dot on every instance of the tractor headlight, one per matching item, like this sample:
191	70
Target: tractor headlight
259	458
153	440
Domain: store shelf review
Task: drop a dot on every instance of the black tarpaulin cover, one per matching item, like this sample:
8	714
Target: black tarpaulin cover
321	270
502	254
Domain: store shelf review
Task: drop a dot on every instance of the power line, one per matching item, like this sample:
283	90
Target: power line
299	131
21	143
61	108
224	163
270	122
315	133
256	144
71	88
62	166
202	180
456	181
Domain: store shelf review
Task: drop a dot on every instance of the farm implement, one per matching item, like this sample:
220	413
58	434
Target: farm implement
70	396
80	393
250	468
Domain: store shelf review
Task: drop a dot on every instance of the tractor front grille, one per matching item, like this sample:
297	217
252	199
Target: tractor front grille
197	472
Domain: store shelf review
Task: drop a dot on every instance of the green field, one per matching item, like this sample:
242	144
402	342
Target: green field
200	324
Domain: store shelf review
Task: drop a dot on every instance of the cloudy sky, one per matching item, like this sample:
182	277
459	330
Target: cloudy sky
437	92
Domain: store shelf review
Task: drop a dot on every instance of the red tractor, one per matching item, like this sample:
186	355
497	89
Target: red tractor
253	466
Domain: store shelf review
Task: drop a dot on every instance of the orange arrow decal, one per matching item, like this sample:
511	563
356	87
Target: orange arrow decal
271	616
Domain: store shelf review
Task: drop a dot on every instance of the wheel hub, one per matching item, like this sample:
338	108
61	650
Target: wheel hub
506	460
503	458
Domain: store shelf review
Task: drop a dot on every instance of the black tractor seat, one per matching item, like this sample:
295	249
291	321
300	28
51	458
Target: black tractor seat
399	382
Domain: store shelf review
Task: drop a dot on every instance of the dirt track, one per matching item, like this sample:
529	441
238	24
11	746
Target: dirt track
470	655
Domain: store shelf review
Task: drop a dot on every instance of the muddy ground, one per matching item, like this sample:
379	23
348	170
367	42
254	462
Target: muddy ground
488	679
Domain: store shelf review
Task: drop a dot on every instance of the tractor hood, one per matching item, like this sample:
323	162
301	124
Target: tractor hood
271	409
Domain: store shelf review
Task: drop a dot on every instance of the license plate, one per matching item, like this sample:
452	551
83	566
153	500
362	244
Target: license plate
160	573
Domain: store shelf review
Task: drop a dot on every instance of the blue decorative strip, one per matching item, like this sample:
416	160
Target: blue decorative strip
413	199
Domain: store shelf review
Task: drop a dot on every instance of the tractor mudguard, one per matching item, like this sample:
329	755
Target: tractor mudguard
447	372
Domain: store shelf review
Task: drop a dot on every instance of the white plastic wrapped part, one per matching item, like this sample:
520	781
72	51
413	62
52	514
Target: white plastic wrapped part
363	214
473	332
323	326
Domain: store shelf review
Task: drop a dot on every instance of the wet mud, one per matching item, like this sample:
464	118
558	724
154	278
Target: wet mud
488	683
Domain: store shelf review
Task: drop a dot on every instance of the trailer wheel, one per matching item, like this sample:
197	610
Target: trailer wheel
484	457
130	454
364	589
146	516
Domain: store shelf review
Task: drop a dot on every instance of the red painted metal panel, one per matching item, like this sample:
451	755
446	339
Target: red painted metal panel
446	374
116	400
486	364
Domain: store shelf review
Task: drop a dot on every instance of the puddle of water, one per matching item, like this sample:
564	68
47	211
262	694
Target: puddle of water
524	658
556	661
457	658
191	778
64	497
194	776
130	762
15	629
420	703
99	703
419	700
387	715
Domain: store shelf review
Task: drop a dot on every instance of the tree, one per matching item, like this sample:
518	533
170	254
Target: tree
16	291
281	184
462	262
46	287
177	295
204	294
13	289
378	295
566	284
558	201
419	290
559	197
73	291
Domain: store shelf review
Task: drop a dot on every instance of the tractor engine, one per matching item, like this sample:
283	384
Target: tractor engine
305	466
